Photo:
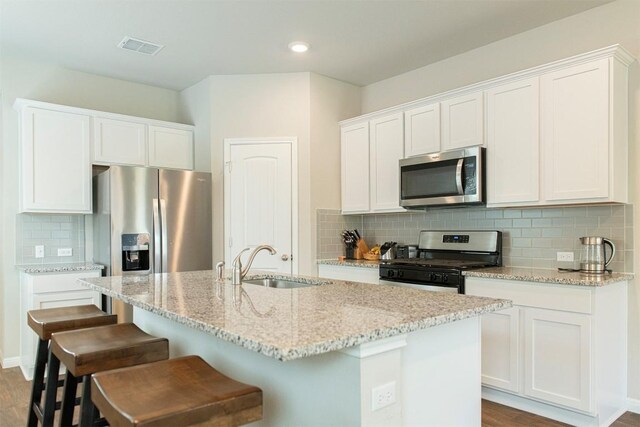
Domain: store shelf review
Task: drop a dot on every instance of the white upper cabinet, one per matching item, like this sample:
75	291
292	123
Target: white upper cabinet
513	143
55	162
579	148
462	122
119	142
386	150
355	168
170	148
422	130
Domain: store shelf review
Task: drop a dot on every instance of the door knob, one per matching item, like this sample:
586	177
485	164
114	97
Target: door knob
285	257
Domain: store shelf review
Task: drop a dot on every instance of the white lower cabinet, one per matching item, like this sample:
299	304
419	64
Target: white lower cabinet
349	273
49	290
560	351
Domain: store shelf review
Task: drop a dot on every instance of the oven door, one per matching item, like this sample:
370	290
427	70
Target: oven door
422	286
452	177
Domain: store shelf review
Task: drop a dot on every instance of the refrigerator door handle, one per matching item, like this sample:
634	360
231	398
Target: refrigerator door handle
163	219
157	240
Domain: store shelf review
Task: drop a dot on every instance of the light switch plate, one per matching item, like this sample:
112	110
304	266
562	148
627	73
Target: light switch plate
39	251
65	252
565	256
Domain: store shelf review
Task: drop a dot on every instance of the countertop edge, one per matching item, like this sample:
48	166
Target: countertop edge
362	263
312	349
59	268
541	278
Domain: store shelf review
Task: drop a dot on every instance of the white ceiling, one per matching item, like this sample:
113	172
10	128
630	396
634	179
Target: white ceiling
360	42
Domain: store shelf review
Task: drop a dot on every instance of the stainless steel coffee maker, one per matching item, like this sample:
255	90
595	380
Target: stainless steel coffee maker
593	257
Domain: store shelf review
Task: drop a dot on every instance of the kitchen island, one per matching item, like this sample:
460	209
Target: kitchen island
338	353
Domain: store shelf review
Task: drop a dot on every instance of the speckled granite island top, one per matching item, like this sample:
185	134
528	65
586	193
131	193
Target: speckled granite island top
288	324
350	263
548	276
59	268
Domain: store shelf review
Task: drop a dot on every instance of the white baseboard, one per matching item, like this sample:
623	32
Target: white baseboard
10	362
634	405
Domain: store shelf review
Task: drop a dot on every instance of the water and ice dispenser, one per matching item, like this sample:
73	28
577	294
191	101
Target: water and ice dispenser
135	252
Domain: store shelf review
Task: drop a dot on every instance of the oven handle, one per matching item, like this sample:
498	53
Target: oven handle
459	176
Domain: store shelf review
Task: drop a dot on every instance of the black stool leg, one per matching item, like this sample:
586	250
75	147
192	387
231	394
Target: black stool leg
38	380
68	400
51	390
88	411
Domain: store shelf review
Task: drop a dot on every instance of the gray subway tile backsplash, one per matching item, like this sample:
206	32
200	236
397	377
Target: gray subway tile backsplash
531	237
52	231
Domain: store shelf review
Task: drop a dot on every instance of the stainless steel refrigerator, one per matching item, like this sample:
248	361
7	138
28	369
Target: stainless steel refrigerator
149	220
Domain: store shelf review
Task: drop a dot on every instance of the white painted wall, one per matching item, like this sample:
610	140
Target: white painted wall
195	108
47	82
617	22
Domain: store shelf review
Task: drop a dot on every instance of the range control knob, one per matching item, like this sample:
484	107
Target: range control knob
445	278
391	273
400	273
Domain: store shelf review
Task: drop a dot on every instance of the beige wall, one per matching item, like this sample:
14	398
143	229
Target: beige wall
46	82
617	22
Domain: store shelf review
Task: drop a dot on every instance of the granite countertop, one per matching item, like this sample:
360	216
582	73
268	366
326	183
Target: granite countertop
287	324
59	268
548	276
351	263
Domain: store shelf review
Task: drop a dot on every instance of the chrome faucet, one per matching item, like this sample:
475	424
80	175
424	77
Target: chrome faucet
238	271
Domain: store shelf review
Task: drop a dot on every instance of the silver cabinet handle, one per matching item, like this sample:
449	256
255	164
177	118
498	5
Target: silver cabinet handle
285	257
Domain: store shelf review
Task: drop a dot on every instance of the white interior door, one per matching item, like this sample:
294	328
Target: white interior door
259	201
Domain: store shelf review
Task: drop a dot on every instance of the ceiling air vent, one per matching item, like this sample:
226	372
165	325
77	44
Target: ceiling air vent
140	46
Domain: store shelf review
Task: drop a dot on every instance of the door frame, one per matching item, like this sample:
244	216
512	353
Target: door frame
293	143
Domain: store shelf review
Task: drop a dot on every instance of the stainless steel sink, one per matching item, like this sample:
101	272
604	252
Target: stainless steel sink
272	282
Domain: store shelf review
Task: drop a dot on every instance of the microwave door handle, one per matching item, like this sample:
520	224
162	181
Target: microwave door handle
459	176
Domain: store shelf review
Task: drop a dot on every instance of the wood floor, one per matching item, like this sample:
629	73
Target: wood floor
14	399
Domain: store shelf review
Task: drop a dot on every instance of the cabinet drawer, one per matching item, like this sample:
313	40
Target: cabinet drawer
533	294
62	282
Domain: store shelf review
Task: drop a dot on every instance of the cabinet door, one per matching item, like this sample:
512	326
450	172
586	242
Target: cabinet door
557	362
119	142
422	130
55	162
513	143
462	120
387	148
170	148
355	168
575	132
501	349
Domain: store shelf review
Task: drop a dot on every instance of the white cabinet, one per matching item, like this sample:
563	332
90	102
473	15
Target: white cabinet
355	168
584	132
55	162
40	291
462	121
422	130
558	357
560	352
501	349
119	142
170	148
386	150
349	273
513	143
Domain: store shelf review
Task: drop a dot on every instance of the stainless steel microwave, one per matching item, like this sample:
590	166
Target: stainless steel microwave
446	178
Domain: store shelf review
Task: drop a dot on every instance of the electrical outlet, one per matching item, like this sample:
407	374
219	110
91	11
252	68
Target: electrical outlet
565	256
39	251
65	251
383	395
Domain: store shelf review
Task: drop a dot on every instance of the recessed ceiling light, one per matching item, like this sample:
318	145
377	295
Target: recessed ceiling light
299	47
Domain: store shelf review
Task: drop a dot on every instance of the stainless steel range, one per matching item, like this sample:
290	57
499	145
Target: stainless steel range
442	257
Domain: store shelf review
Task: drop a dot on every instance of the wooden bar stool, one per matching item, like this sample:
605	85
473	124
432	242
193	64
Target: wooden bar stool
177	392
86	351
44	322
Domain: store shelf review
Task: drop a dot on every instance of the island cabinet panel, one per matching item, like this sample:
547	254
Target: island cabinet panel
422	130
39	291
386	150
501	352
575	132
170	148
462	121
513	148
558	362
55	162
349	273
119	142
355	168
